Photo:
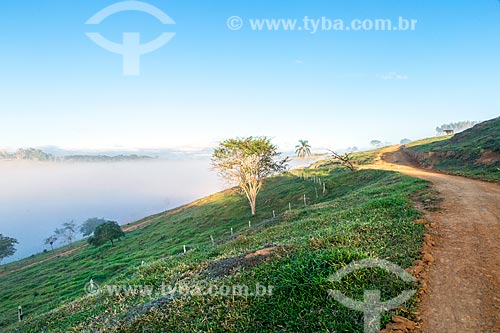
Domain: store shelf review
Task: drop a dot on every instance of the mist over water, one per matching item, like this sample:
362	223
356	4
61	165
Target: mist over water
37	197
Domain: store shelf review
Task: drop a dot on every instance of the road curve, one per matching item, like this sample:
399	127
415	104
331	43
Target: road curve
464	281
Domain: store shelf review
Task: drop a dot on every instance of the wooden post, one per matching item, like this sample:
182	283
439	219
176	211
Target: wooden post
20	313
184	247
212	239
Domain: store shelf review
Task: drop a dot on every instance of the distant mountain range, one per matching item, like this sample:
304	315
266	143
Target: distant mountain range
33	154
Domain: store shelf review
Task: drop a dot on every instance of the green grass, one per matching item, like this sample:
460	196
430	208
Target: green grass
420	145
366	157
472	153
365	214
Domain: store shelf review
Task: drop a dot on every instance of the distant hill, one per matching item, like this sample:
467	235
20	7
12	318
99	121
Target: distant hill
103	158
474	152
32	154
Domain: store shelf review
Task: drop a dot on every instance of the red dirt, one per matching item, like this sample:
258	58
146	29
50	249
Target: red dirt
464	281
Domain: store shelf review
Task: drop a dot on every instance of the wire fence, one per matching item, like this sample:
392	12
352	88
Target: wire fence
320	189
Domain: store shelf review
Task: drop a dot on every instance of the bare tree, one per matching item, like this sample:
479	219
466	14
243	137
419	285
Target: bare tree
247	163
343	159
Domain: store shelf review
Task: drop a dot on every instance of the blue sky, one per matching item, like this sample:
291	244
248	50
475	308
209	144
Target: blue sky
209	82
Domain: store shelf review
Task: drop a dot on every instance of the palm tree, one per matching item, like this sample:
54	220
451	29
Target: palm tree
303	149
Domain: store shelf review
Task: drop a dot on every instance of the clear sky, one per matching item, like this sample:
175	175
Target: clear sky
334	88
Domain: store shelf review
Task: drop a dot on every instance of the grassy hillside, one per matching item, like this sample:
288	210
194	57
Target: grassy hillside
363	214
358	159
474	152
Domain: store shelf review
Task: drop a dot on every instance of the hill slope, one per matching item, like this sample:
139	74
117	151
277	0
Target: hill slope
473	153
363	214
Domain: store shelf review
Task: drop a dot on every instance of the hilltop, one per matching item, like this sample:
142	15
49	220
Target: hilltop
474	152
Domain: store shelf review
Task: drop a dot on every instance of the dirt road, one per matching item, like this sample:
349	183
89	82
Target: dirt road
464	281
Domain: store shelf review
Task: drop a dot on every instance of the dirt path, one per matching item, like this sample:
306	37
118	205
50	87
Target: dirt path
464	281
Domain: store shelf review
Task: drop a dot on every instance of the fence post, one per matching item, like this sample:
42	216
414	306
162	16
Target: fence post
274	215
249	224
324	188
290	207
20	313
212	239
305	200
184	247
232	231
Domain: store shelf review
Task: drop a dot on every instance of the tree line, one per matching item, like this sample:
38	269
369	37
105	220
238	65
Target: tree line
98	231
456	127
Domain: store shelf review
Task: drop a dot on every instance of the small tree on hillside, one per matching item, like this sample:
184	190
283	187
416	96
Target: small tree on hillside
7	246
50	241
89	226
344	160
105	232
67	232
405	141
376	143
248	162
